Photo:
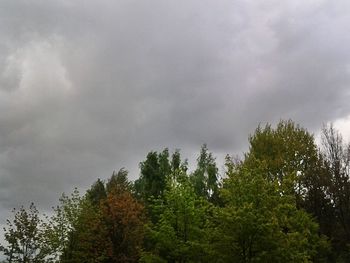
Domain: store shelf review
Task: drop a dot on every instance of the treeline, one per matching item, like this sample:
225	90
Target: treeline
286	200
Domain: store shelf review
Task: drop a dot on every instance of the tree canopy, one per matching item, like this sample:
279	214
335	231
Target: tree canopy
286	200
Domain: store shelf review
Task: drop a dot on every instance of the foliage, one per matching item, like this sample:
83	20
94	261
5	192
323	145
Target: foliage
288	149
123	218
179	235
154	171
61	226
108	226
258	224
336	157
118	182
24	237
285	201
205	177
97	192
289	156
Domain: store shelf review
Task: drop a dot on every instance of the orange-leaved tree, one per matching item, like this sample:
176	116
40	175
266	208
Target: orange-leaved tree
124	219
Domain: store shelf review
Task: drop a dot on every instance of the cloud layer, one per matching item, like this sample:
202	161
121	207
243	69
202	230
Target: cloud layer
91	86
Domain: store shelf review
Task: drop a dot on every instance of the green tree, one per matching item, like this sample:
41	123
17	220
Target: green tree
24	237
259	224
288	149
154	171
77	229
96	193
178	167
290	157
179	235
119	182
88	241
205	177
60	230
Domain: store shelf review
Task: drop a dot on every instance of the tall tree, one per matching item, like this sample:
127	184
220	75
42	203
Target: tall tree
88	242
123	217
336	155
106	226
118	182
61	229
179	235
96	193
205	177
178	167
154	171
288	149
258	224
82	238
290	157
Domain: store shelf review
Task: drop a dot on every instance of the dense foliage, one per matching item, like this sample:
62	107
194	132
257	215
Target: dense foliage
287	200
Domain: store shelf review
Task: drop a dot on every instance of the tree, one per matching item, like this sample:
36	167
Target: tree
88	241
258	224
336	156
290	157
178	167
154	171
123	218
96	193
288	149
106	225
205	177
179	235
118	182
24	235
61	228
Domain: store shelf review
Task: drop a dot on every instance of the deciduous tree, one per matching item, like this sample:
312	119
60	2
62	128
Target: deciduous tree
205	177
24	237
259	224
179	235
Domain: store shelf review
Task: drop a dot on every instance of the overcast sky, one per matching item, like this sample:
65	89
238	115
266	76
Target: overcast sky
88	87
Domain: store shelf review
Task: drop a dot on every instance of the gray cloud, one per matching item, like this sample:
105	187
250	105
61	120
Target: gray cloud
91	86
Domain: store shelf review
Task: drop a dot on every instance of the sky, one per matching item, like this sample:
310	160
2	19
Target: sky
88	87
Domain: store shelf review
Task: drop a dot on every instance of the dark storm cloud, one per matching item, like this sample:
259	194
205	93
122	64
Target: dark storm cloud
91	86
